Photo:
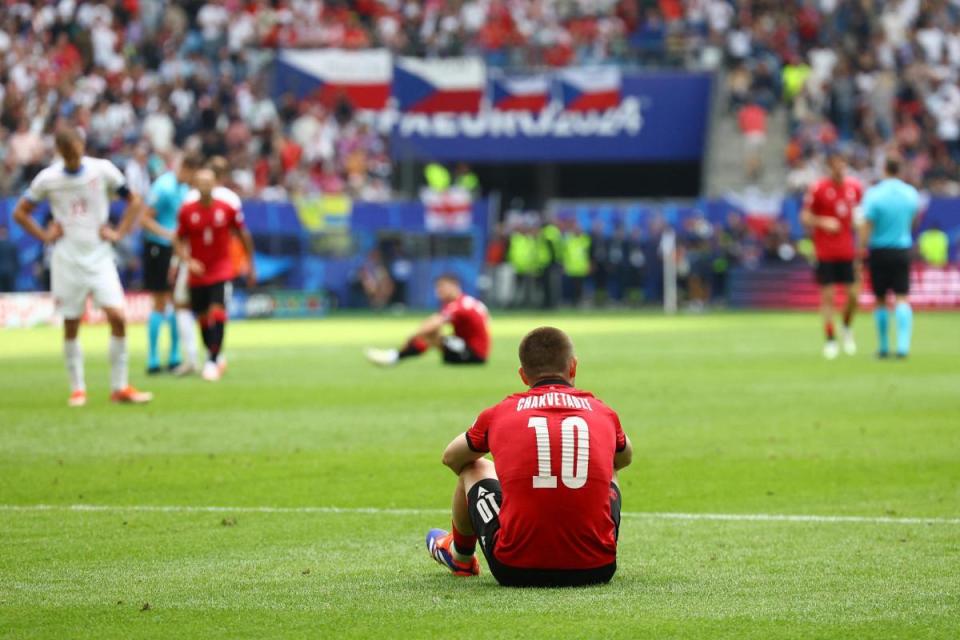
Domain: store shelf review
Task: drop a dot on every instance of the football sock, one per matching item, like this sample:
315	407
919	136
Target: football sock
828	330
171	320
882	317
118	363
188	333
904	314
216	326
414	347
154	322
847	318
463	546
73	355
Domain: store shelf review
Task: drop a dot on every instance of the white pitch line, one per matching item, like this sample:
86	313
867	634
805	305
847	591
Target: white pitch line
728	517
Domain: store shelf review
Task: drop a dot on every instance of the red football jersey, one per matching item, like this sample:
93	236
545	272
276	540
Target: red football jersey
208	229
553	447
829	199
469	318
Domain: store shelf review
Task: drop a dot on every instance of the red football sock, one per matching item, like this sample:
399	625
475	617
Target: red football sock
463	544
414	347
828	329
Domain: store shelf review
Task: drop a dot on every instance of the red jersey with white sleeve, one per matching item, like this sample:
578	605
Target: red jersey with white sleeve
827	198
207	228
553	448
469	318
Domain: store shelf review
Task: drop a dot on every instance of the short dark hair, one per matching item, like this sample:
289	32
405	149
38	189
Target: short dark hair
220	166
892	165
192	161
545	351
67	136
449	277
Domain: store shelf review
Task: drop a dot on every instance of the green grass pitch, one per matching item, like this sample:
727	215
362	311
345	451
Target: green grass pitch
729	414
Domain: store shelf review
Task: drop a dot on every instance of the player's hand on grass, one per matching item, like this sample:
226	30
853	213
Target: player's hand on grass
54	232
196	267
109	234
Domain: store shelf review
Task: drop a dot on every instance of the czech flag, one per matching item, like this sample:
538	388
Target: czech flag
362	77
590	88
450	85
530	93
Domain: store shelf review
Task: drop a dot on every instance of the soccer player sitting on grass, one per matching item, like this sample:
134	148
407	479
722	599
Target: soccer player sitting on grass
470	342
546	511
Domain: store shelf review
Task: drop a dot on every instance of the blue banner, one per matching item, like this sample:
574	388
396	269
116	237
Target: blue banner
657	117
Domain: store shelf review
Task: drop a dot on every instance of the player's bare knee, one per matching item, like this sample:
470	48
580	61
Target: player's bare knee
71	328
117	320
476	471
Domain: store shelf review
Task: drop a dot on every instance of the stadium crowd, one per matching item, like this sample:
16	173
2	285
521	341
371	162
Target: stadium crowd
147	78
873	78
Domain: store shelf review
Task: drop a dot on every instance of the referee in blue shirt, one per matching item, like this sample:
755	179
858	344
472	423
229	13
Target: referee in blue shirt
890	210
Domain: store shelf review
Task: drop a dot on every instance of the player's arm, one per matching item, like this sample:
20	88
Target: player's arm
23	215
624	457
431	325
131	213
811	221
458	454
149	221
181	248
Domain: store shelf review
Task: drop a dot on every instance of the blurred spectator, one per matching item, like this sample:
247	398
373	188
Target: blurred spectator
375	280
576	263
9	262
753	124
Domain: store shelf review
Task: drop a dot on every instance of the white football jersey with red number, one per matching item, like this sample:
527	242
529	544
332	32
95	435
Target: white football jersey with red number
80	202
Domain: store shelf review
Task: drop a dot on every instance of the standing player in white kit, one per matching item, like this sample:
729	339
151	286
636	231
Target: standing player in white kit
79	189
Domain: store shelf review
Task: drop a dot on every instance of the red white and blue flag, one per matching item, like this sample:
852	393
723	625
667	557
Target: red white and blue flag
590	88
529	93
450	85
362	77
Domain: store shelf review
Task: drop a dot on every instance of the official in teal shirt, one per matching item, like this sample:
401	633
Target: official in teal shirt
890	210
160	224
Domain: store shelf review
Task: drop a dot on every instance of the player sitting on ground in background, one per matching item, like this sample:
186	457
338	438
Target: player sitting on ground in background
828	213
470	342
890	212
160	225
546	511
203	243
79	189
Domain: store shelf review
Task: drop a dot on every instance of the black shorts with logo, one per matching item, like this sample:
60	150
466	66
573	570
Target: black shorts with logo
889	271
483	504
156	266
205	296
456	351
835	272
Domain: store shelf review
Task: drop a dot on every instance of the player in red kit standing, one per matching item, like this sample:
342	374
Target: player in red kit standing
204	227
470	342
829	211
546	511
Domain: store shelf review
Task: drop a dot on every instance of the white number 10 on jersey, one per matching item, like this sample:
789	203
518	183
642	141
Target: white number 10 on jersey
574	452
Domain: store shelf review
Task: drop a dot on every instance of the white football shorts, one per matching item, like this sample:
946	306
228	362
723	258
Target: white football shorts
71	283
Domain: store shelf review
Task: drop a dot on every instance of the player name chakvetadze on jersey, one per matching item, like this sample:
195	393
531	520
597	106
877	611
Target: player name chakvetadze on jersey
553	399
